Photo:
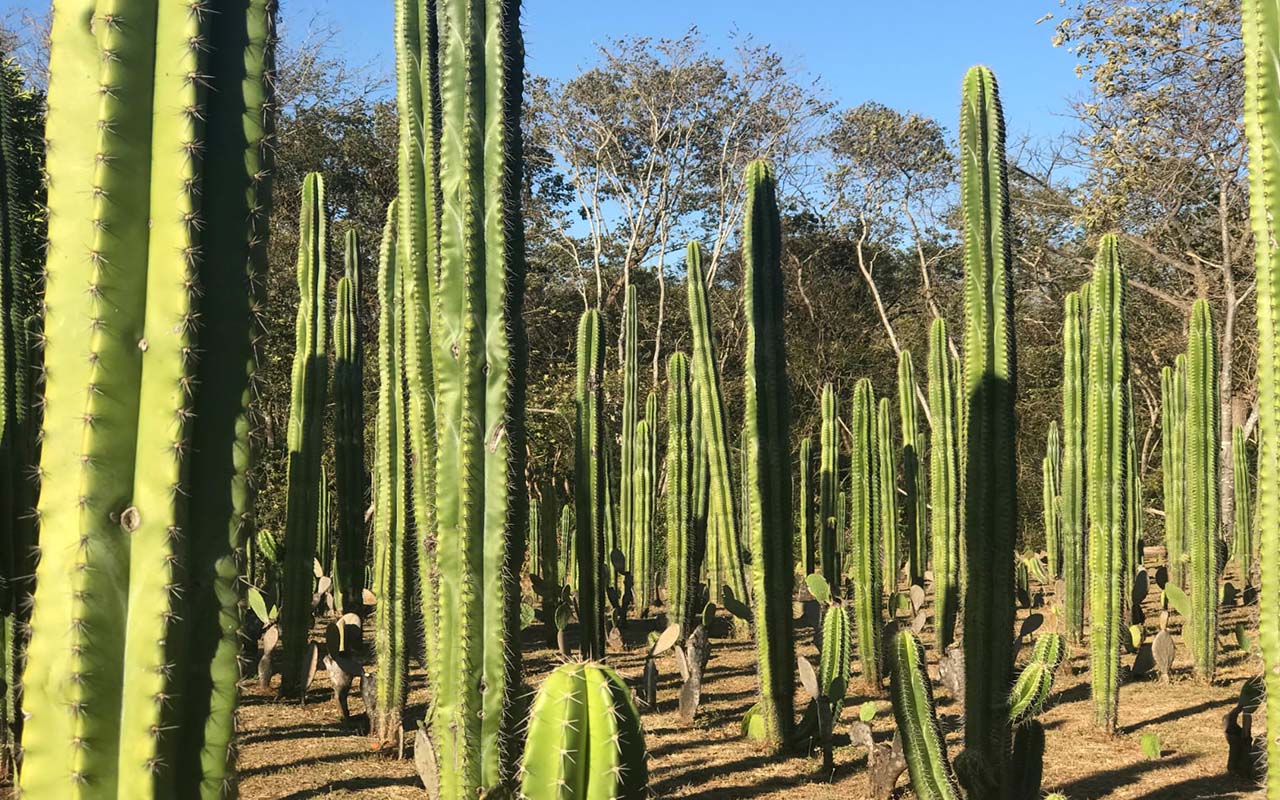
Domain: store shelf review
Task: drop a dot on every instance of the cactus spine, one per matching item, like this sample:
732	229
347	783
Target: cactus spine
1073	431
1243	523
990	371
723	562
306	419
585	739
460	82
1108	483
923	745
156	208
1202	488
915	514
829	487
887	496
864	553
805	509
391	519
1173	422
1261	22
348	393
589	485
944	486
1051	492
768	437
681	570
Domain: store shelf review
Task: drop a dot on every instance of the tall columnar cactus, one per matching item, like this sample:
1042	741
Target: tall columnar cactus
915	504
1073	437
1261	20
306	430
1173	425
460	70
626	532
348	450
590	492
702	533
681	571
990	372
1134	515
887	496
642	521
723	560
864	520
585	739
1202	489
393	566
805	509
533	540
1108	427
944	486
324	523
923	744
767	422
567	535
829	487
1242	535
158	204
1051	493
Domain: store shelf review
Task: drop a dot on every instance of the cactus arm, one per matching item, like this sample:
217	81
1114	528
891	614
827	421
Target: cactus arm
681	576
589	486
1261	23
913	710
990	374
864	559
767	427
943	486
1107	428
1202	482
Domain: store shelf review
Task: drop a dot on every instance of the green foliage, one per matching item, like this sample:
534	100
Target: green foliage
1151	748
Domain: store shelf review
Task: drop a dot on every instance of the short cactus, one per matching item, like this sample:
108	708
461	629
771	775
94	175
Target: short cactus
913	709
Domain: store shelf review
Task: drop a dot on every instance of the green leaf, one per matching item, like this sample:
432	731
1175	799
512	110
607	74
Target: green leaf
1151	746
867	711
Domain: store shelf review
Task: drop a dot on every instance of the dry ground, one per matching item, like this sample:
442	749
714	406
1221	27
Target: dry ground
292	751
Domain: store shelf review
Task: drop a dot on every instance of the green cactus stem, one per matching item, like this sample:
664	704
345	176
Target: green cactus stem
865	572
1135	511
589	485
682	574
805	509
1073	487
626	532
348	429
584	739
1051	495
915	504
832	545
944	488
1202	489
887	496
1108	485
990	422
1242	535
914	711
1173	421
767	423
642	521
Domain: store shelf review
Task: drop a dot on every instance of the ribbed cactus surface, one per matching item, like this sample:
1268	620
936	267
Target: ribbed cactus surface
590	492
1173	422
944	486
1108	483
1051	498
805	509
348	430
865	572
1074	366
626	532
831	544
584	739
1202	489
157	230
923	744
915	502
887	496
1242	534
682	575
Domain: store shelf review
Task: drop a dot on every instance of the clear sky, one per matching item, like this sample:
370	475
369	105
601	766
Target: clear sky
908	54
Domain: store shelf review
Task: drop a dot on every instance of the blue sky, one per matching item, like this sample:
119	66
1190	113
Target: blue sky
908	54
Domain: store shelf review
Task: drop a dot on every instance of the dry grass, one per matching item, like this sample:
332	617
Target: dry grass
292	751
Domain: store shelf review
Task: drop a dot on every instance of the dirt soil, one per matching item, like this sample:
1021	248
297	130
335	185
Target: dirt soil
297	751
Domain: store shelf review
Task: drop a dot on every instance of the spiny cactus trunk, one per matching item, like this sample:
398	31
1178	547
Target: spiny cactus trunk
1202	489
923	744
460	80
158	203
1108	427
393	564
915	504
681	573
306	444
887	496
567	535
944	488
1073	489
590	494
724	563
829	488
348	450
767	412
1173	423
805	509
864	519
1242	536
626	532
990	370
1261	22
1134	513
642	523
1051	495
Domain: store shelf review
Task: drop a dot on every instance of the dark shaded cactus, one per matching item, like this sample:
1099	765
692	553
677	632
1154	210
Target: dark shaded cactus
767	423
589	487
944	486
887	496
1108	484
864	541
348	429
831	544
682	577
915	503
626	528
1072	504
158	204
805	509
1202	489
990	371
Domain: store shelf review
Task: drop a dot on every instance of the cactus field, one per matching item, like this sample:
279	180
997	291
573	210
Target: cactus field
669	431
